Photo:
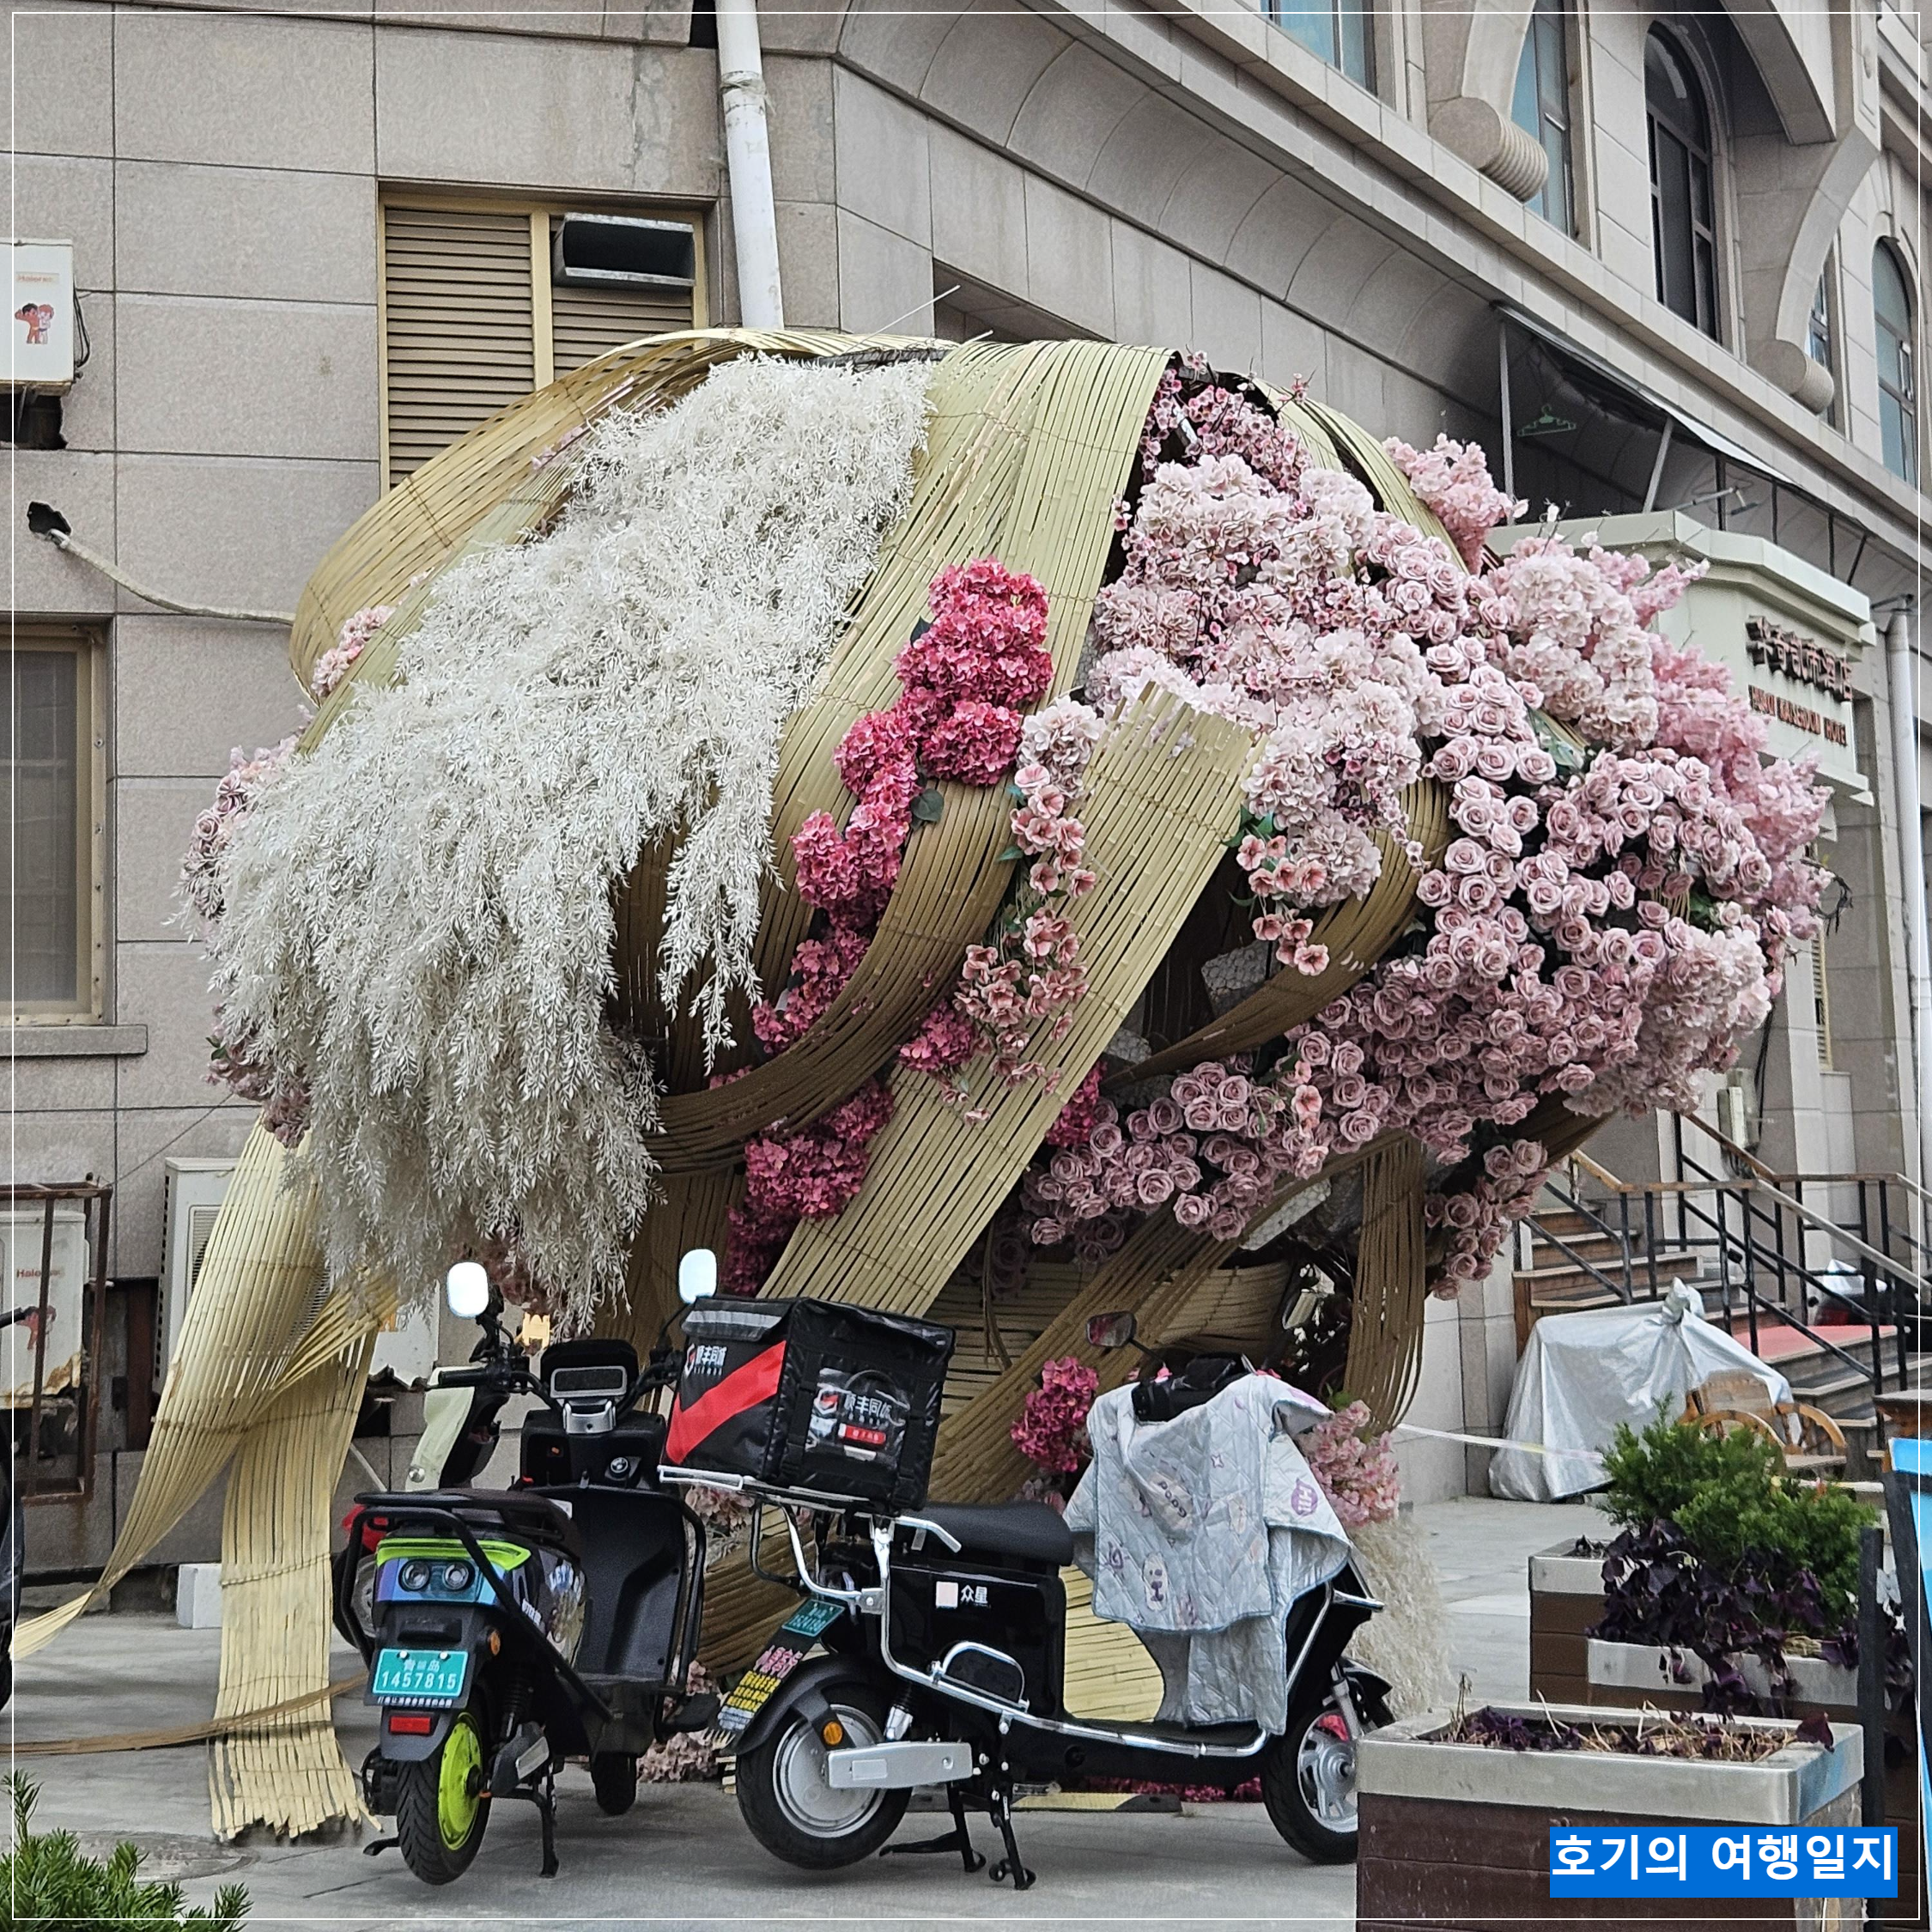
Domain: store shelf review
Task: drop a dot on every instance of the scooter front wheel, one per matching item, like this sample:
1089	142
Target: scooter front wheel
785	1795
442	1805
1308	1781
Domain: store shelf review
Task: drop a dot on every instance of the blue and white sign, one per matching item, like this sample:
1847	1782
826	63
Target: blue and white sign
1722	1861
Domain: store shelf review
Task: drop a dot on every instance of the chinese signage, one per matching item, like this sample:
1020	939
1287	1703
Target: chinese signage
1722	1861
1769	642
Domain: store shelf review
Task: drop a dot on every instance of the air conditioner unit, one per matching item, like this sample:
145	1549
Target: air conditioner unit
193	1188
23	1232
41	316
623	251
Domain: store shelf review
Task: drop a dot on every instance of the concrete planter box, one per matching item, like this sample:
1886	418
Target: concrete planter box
1565	1599
1457	1835
1652	1669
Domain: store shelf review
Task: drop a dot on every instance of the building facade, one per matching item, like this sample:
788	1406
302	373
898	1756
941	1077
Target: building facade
1668	265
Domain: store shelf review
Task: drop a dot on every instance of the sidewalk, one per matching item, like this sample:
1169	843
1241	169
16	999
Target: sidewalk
683	1856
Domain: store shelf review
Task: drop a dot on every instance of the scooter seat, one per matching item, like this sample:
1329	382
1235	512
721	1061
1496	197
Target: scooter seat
1027	1532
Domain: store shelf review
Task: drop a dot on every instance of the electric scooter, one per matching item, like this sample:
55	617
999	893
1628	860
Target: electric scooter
506	1630
944	1635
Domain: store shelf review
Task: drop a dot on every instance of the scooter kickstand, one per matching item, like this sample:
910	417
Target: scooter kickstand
1001	1805
958	1839
545	1797
376	1845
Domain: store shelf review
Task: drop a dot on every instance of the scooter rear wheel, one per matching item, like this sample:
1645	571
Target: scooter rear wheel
787	1800
442	1805
1308	1781
614	1778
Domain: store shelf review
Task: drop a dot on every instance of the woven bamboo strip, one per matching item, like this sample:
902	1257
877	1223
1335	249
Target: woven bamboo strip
1355	933
691	1214
255	1297
1385	1328
289	1773
1108	1673
1164	785
1295	416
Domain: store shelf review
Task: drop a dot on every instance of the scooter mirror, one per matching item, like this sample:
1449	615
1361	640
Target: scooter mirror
697	1275
1111	1331
467	1287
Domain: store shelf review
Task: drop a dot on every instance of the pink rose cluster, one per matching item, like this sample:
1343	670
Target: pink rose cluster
1471	1221
1276	594
239	788
1453	479
1356	1469
1030	972
1052	1429
333	666
1213	1148
808	1176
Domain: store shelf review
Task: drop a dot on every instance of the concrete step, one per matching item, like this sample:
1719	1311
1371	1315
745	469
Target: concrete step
1670	1264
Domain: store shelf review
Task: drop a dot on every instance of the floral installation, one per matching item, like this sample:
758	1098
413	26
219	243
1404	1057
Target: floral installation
1052	1431
240	785
333	666
1356	1467
686	1757
1625	873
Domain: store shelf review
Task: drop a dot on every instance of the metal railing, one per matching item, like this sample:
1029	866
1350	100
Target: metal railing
1757	1235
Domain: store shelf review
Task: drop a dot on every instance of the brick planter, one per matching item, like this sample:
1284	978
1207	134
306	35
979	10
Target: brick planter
1456	1836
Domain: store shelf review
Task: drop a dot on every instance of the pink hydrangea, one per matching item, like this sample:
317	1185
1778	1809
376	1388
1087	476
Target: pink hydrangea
1052	1429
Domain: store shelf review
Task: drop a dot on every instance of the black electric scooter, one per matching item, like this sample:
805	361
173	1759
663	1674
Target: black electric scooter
507	1630
943	1630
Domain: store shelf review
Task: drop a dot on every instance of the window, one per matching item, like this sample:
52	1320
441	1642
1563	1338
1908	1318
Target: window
1683	220
1340	31
483	301
52	821
1819	336
1898	389
1541	110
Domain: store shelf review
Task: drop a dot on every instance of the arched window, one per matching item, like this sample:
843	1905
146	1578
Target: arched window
1683	214
1891	302
1541	107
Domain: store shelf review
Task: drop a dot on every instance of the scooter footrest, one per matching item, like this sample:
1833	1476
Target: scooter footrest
522	1758
696	1712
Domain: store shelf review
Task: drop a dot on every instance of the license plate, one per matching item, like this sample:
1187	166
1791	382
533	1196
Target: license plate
787	1651
419	1676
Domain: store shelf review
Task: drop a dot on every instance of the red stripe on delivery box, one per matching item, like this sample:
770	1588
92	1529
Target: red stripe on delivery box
743	1388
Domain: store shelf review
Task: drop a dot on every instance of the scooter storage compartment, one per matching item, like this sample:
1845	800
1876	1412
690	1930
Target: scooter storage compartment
1019	1614
810	1396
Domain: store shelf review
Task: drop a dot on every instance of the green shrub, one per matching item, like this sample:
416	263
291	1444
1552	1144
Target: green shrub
1724	1493
50	1884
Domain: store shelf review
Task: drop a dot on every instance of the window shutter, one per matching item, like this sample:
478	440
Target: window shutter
459	324
586	322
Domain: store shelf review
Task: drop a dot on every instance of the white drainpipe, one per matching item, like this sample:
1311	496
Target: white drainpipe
741	91
1900	668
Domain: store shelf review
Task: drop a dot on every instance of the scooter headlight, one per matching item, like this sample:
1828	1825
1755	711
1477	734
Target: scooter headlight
413	1575
457	1577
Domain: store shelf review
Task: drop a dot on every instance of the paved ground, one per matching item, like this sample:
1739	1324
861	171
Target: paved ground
682	1857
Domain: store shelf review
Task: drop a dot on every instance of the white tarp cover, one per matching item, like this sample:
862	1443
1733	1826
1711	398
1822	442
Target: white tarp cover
1584	1373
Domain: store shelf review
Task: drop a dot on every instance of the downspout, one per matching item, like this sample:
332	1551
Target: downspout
1912	865
741	93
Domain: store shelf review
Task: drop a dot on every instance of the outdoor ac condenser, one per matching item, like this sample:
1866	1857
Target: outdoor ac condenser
194	1188
23	1237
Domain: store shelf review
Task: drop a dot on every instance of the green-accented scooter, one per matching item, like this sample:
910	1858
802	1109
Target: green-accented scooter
506	1630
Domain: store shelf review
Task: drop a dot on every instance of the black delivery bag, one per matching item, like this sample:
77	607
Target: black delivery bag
810	1396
